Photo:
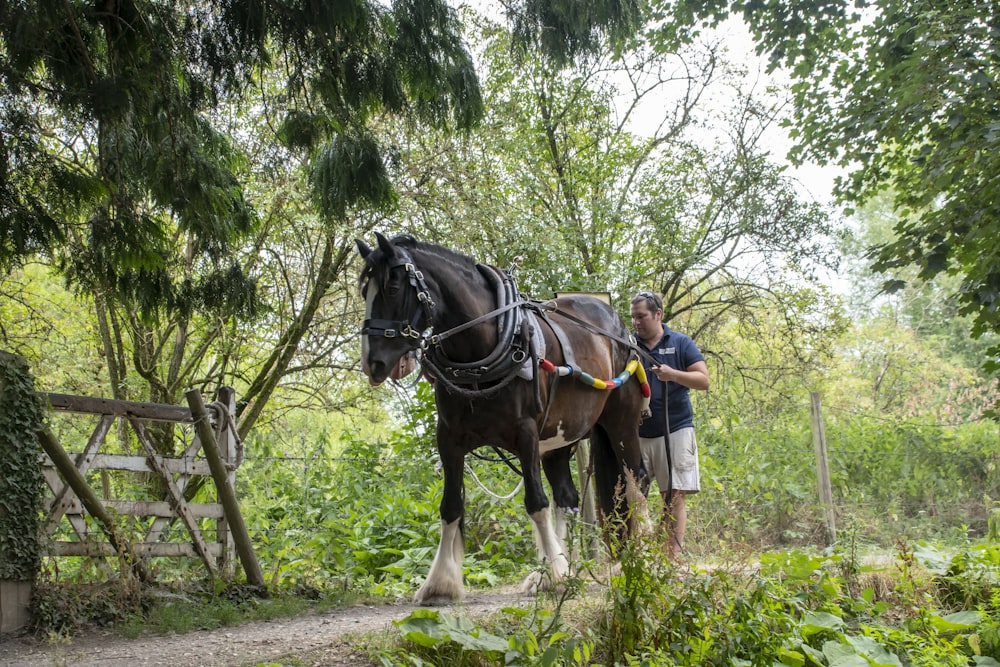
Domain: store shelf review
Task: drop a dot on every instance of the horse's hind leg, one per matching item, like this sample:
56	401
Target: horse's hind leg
618	477
444	581
556	465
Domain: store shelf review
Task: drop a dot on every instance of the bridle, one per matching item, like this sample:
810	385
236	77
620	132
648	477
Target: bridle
424	309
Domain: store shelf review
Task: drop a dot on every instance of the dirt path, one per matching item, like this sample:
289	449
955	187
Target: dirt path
316	639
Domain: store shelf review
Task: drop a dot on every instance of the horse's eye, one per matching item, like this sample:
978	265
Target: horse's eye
395	284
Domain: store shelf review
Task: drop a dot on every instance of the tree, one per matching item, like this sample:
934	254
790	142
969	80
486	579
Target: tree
125	159
908	352
903	94
558	181
112	165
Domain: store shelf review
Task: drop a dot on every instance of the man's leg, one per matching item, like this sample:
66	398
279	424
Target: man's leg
676	523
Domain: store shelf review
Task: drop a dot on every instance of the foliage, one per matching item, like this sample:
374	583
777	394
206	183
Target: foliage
21	481
139	161
799	609
68	609
890	477
138	85
566	181
536	637
196	173
903	95
565	32
909	353
340	514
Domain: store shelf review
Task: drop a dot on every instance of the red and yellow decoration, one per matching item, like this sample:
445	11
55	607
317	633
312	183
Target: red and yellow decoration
633	367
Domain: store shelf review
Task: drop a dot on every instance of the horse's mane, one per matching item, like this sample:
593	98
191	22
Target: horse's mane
377	269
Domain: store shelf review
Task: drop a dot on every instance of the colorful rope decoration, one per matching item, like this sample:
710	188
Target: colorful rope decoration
633	367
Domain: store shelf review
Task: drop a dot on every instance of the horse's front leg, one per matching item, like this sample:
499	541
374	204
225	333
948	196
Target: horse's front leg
550	547
444	581
565	497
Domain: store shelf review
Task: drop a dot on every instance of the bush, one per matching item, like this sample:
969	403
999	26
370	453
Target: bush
21	480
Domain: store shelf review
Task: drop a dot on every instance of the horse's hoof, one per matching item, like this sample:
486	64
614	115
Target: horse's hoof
434	601
436	598
532	584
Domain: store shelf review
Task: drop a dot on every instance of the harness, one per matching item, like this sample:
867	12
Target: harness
515	316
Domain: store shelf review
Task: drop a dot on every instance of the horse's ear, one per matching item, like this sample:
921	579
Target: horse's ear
384	245
363	248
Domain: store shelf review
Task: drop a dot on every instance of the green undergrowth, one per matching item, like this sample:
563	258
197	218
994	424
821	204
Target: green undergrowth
925	606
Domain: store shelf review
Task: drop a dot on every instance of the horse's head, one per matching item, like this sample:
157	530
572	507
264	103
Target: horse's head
397	309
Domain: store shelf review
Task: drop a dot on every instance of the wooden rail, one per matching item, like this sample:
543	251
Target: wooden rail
213	453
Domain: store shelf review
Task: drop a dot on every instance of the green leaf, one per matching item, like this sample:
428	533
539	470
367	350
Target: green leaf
839	654
427	627
876	654
422	627
791	658
550	657
933	558
816	622
793	564
463	631
815	657
963	620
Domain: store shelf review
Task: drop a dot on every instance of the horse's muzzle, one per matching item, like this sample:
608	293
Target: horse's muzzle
379	371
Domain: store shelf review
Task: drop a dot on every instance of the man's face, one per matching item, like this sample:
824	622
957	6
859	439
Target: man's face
646	323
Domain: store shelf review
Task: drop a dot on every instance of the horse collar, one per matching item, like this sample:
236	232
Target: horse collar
511	350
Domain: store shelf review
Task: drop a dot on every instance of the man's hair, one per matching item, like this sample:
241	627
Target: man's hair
653	302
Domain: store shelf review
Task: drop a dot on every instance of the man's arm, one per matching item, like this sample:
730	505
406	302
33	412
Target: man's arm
695	377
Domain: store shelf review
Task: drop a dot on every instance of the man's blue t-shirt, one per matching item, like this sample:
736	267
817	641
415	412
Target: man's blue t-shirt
677	351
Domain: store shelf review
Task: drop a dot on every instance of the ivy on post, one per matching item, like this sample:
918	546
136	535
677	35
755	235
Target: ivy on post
21	487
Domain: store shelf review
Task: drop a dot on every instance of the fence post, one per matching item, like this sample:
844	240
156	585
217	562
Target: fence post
822	467
227	495
588	512
226	438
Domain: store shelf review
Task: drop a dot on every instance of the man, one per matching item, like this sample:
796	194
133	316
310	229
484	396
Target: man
682	367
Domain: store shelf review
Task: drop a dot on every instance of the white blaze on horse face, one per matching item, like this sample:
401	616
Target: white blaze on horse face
372	291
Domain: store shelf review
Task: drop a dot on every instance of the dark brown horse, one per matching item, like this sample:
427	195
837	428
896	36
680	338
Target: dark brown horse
494	357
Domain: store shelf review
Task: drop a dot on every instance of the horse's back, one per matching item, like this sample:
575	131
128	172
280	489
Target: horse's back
608	331
586	306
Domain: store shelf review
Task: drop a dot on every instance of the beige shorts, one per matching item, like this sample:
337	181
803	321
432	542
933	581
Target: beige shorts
683	451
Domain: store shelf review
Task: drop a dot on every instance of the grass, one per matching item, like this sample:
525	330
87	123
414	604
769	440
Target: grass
134	611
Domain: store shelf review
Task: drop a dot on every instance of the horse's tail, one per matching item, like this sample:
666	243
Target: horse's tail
611	484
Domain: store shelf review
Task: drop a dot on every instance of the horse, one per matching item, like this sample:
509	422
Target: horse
497	361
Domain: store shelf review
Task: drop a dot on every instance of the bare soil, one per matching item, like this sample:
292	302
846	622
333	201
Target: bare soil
318	640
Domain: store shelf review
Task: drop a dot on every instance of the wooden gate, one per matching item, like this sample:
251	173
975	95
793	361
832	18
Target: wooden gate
154	521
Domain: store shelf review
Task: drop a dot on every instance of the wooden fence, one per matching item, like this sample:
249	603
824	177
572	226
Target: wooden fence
153	521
